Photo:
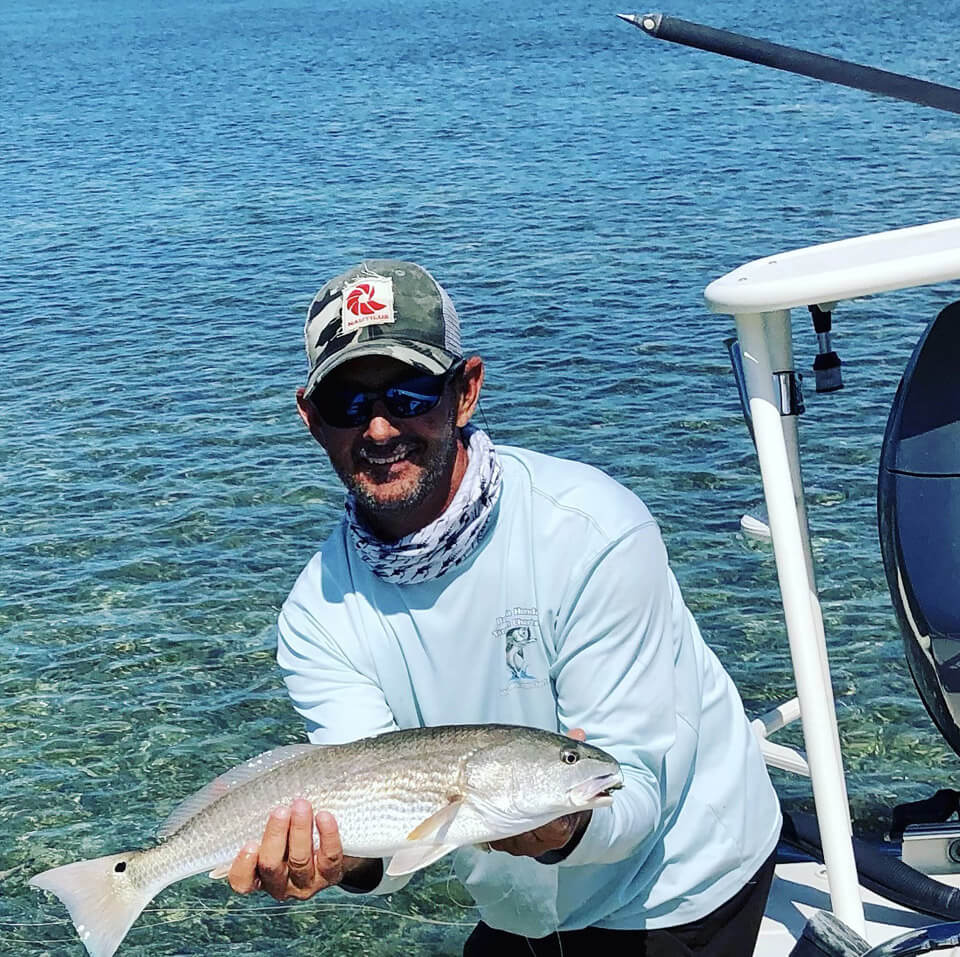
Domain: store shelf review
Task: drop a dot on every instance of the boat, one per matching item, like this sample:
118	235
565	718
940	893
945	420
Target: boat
835	893
876	896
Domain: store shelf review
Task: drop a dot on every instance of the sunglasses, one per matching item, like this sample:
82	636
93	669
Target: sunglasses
346	408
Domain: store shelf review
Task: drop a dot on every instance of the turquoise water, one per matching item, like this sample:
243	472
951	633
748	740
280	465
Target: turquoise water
179	180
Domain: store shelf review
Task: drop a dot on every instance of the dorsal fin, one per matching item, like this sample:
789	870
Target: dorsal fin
236	776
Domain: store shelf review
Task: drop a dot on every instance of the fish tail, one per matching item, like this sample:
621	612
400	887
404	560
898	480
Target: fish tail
102	899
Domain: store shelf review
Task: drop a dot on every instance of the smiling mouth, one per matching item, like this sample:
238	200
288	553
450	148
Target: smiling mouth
381	459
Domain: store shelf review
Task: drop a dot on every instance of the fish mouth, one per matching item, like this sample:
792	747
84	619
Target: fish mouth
596	791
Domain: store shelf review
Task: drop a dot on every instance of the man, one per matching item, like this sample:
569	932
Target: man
471	584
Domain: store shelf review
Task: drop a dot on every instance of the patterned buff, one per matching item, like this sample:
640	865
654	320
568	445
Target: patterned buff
448	540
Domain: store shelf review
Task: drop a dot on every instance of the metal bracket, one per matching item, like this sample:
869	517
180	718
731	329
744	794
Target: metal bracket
789	389
932	848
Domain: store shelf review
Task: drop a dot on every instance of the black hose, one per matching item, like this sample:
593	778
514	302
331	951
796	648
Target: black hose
879	870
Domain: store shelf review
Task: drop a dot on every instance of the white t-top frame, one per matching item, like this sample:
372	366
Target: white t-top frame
760	295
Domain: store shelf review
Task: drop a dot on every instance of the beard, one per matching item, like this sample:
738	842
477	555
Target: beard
435	467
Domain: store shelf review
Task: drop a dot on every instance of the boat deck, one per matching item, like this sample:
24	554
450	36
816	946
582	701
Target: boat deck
800	889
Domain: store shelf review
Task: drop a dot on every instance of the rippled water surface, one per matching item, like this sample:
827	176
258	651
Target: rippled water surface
179	179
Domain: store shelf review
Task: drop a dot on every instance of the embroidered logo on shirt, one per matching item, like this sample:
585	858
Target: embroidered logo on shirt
367	302
519	628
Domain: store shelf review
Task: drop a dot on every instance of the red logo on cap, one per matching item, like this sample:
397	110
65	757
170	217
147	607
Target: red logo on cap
360	300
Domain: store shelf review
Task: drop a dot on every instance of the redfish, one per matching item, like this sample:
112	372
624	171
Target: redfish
411	796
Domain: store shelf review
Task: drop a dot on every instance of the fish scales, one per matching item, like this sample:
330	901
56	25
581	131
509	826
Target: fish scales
376	794
375	809
409	795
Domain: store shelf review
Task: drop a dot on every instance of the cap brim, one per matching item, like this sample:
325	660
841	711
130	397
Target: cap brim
430	359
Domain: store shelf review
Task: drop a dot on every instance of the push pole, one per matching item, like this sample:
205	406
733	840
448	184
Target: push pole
792	60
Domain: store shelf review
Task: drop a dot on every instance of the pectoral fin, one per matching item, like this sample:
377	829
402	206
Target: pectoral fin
435	827
412	859
220	871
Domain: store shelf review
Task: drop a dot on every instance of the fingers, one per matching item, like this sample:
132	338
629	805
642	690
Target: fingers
507	845
243	871
272	865
578	734
523	845
300	860
548	837
285	864
558	832
528	844
330	851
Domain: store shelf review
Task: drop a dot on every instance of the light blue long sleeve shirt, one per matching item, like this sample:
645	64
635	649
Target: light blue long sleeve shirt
566	615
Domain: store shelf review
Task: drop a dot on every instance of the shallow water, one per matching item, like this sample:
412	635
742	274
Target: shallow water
180	179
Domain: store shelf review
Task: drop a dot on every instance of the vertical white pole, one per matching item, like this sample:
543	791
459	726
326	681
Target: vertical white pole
791	438
766	346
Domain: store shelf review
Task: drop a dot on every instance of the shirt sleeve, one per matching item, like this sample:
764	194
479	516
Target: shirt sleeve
333	690
615	676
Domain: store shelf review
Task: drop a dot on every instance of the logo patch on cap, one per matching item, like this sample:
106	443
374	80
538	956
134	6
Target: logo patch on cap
367	302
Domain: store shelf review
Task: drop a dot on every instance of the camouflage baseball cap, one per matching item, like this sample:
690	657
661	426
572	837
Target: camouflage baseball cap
383	307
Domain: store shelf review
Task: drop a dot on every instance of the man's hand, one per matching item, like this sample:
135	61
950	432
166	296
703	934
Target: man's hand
547	837
285	864
551	836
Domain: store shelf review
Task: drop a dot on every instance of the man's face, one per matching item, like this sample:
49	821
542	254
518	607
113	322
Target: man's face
390	464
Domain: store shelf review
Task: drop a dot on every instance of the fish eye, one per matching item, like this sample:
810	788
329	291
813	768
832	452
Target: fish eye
569	757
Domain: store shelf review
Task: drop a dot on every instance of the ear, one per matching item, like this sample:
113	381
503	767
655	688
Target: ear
471	381
309	417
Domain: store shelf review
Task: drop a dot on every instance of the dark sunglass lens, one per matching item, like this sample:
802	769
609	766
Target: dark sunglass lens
348	408
343	408
431	386
414	396
408	404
